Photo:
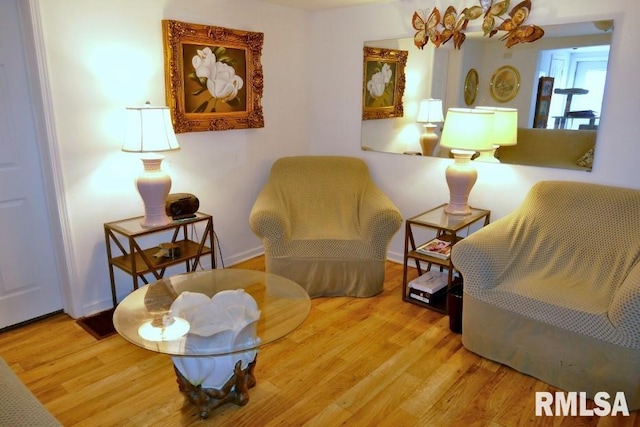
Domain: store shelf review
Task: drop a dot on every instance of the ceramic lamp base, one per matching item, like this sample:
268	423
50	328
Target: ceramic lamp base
461	177
153	186
488	156
428	140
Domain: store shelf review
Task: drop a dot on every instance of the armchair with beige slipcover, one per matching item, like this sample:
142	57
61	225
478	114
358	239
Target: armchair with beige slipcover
553	289
325	225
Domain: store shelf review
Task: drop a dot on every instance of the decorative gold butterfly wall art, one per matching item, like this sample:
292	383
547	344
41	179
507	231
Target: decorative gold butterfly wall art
439	29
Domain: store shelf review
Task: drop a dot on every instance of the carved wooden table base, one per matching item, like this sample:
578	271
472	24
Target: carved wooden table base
235	390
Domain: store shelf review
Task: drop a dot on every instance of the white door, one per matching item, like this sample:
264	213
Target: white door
29	279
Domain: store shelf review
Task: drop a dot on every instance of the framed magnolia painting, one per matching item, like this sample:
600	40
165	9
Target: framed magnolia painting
383	83
213	77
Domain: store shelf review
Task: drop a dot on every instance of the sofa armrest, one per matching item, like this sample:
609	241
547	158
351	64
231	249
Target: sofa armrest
378	216
18	405
624	310
483	256
268	218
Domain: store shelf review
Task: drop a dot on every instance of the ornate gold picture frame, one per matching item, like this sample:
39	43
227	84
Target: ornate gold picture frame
213	77
505	83
383	83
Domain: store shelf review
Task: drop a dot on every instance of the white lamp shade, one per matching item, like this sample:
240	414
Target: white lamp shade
149	129
505	125
468	129
430	111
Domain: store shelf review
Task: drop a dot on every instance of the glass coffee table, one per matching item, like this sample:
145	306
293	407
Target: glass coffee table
214	353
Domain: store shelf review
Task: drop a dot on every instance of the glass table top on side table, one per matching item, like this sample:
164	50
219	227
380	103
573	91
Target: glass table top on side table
224	367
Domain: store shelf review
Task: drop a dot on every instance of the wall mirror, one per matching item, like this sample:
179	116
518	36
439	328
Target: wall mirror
574	54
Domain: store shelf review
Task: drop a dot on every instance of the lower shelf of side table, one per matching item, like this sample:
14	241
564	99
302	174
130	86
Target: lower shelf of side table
188	250
437	303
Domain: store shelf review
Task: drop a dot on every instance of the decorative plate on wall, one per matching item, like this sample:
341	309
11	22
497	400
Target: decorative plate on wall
471	87
505	83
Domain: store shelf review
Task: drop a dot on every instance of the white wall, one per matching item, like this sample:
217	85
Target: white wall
417	183
104	56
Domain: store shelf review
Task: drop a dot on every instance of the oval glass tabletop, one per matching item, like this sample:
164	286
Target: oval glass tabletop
283	306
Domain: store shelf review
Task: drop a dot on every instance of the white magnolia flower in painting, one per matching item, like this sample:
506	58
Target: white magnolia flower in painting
222	81
378	82
386	73
203	62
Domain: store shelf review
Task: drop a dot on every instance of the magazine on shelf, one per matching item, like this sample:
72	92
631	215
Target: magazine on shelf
436	248
430	282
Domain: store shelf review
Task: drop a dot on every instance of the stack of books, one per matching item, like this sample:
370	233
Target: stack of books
429	286
436	248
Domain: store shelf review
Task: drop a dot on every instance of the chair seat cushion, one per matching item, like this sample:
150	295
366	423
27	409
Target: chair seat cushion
563	306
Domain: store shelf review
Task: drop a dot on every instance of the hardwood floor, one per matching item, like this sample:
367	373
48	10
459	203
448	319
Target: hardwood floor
358	362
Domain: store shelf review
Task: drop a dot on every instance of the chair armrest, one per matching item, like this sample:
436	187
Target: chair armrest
484	256
379	217
268	218
624	310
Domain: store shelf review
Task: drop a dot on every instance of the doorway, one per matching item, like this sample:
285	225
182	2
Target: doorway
30	267
579	69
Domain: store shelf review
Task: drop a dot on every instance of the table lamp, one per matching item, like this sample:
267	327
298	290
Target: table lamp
430	111
505	132
465	131
149	130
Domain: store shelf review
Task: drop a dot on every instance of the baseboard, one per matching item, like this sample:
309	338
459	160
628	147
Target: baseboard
243	256
103	305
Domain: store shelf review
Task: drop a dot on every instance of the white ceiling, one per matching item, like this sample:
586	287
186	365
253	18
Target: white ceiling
324	4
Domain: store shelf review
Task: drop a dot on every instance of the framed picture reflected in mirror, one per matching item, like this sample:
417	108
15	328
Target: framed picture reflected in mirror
471	87
505	83
383	83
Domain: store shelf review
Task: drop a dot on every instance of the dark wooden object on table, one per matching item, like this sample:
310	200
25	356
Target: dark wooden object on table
235	390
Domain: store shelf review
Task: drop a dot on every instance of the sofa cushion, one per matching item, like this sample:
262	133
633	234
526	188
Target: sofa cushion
586	160
563	306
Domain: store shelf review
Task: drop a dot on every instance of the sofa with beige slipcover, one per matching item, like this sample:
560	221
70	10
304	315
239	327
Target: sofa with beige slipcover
553	289
556	148
18	406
